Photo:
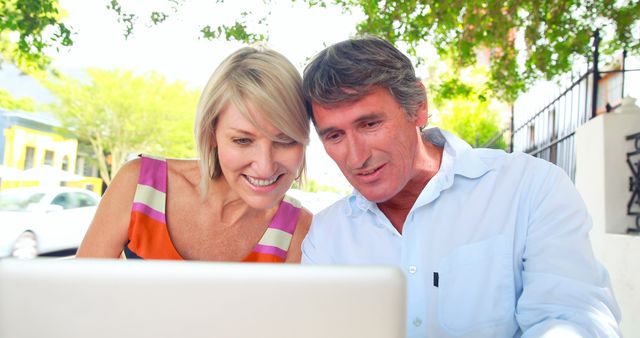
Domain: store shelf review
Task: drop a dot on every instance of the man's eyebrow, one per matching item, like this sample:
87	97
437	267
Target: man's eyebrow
369	117
361	119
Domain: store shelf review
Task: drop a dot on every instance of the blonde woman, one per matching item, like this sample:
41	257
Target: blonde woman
229	205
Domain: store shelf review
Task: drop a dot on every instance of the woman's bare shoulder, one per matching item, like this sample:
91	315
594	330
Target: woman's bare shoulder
184	170
107	233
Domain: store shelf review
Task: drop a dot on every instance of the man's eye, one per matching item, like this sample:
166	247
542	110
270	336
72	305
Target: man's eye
242	141
371	124
333	137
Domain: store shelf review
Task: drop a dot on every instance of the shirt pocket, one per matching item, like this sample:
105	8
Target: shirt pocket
476	286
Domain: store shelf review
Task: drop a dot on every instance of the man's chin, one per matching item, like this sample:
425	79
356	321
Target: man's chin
375	196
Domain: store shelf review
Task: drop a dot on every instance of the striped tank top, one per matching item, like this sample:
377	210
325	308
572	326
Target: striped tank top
149	236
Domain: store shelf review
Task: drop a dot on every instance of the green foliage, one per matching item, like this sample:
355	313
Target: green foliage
120	113
237	31
7	101
27	28
464	107
555	32
472	120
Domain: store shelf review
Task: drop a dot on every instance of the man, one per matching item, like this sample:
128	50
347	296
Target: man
492	244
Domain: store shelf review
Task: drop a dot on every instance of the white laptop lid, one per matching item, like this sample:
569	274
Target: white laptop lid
138	299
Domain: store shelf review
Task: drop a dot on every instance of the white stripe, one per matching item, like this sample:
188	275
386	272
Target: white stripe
292	201
276	237
151	197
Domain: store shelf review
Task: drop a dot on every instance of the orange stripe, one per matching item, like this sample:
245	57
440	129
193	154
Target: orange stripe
262	258
150	239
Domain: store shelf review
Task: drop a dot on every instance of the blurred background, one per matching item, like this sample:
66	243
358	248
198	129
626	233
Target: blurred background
87	85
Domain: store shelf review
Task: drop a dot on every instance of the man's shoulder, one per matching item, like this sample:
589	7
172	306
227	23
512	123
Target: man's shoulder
338	210
499	159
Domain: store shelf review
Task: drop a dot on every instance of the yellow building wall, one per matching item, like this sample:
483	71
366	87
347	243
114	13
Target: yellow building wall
18	138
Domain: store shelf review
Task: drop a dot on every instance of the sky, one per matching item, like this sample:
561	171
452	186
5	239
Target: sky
175	49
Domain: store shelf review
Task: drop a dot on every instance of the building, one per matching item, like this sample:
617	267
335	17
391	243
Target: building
32	140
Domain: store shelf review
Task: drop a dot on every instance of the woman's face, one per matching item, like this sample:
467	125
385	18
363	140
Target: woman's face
259	169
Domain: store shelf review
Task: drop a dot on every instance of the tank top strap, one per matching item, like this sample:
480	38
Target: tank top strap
274	244
148	233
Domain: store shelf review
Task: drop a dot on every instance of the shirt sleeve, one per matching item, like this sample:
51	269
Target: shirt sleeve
565	292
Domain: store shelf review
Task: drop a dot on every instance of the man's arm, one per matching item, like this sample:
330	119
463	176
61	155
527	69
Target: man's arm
566	292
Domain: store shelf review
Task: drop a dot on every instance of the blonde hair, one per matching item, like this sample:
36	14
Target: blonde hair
261	79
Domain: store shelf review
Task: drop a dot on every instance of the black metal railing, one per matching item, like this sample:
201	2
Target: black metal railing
633	161
544	120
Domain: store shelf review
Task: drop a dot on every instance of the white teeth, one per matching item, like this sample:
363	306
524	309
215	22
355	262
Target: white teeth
261	183
368	172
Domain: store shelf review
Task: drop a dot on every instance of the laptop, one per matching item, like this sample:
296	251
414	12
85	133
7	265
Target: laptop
139	299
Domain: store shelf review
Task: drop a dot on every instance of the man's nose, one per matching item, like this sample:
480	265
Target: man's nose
357	152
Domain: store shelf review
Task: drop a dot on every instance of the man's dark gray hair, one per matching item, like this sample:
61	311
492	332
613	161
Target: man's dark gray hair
351	69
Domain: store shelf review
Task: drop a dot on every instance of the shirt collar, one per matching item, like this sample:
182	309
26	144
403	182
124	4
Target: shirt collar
458	158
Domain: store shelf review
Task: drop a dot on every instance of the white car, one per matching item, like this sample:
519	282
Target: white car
44	221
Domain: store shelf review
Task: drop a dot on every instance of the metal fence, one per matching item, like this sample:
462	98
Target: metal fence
544	120
548	131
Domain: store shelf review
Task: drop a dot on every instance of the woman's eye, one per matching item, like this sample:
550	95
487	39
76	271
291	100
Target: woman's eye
242	141
286	142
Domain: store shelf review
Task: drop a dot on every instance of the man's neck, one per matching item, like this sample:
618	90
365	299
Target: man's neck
427	165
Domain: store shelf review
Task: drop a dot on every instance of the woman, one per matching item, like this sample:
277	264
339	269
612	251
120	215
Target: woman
230	205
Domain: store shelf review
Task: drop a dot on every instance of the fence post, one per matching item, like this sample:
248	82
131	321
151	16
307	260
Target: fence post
624	68
511	127
596	73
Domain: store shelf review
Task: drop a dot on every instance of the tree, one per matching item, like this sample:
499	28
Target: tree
7	101
553	33
27	29
120	113
471	120
463	106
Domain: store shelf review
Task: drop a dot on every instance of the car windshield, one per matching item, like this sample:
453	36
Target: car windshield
18	200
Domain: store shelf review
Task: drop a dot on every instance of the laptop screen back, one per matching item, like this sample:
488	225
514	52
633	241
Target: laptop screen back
136	299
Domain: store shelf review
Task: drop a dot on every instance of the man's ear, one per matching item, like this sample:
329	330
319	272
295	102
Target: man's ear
422	112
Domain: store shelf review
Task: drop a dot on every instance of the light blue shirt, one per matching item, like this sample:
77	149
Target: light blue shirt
496	245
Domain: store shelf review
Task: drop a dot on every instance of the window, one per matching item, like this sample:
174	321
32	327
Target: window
64	200
84	200
65	163
29	155
48	157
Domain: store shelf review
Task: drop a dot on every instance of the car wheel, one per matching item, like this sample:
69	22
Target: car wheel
25	246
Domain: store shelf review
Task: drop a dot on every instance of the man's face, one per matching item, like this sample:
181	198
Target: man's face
373	142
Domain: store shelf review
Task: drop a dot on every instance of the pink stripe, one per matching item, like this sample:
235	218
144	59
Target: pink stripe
285	218
268	249
149	211
153	173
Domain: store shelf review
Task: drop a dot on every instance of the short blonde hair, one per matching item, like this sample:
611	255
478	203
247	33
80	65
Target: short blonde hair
254	78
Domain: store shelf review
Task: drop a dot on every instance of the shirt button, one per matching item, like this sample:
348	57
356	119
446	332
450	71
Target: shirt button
417	322
412	269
